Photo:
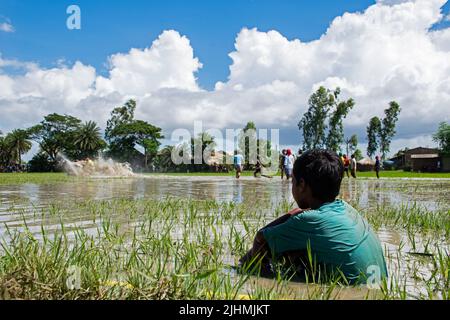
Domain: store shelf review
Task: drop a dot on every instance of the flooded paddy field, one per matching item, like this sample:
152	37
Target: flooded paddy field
170	237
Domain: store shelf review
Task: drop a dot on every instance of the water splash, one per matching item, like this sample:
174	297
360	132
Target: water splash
97	168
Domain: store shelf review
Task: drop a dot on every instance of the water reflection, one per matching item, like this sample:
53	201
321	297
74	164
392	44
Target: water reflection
21	201
237	194
365	193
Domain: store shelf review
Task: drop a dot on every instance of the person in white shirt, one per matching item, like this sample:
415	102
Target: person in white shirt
289	163
353	166
238	163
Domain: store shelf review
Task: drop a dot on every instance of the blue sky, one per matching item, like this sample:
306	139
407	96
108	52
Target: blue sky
395	50
115	26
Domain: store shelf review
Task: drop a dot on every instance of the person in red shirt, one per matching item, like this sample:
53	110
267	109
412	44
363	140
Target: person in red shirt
346	162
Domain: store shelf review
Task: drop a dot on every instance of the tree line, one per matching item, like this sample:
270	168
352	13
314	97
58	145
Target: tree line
123	137
322	125
248	144
67	135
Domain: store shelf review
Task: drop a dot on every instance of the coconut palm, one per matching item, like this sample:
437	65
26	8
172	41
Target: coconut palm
88	139
164	158
5	152
19	143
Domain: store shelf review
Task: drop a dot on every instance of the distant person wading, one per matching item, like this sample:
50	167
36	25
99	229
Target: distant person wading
346	162
282	159
289	163
238	160
353	166
377	166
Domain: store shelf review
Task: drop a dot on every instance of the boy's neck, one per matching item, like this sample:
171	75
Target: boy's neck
317	203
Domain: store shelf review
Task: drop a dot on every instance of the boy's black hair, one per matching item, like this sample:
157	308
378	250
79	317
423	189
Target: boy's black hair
322	171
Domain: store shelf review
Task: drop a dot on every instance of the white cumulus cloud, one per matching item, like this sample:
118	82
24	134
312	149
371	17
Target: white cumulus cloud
168	63
6	27
388	52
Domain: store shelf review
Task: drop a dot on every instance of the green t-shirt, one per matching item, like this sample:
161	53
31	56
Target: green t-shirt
339	237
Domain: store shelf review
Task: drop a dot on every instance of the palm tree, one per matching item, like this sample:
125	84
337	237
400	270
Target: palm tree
18	143
165	158
88	139
5	152
205	140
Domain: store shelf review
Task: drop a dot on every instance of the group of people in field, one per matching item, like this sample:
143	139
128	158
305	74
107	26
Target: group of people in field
350	165
287	159
239	166
286	164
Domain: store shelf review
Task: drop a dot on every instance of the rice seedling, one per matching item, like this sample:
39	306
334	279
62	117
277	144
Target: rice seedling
189	249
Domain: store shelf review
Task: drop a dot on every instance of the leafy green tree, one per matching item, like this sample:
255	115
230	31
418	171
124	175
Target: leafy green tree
313	124
121	148
388	127
41	162
120	116
373	133
442	137
204	141
138	132
252	147
164	159
5	152
358	154
124	133
381	132
324	104
19	143
248	143
336	133
351	144
401	152
88	140
56	134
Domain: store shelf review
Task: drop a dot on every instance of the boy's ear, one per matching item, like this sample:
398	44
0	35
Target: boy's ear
301	184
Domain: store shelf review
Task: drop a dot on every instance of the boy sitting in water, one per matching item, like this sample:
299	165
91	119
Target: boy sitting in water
334	233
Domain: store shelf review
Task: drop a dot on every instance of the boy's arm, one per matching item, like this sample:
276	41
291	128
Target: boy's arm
260	247
284	218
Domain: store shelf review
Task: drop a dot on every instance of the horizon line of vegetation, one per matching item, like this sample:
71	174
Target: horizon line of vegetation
321	127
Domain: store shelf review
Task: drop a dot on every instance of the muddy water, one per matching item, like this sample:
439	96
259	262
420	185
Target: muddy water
431	194
19	201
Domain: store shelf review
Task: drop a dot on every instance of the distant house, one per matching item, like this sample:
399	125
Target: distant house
365	164
419	159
